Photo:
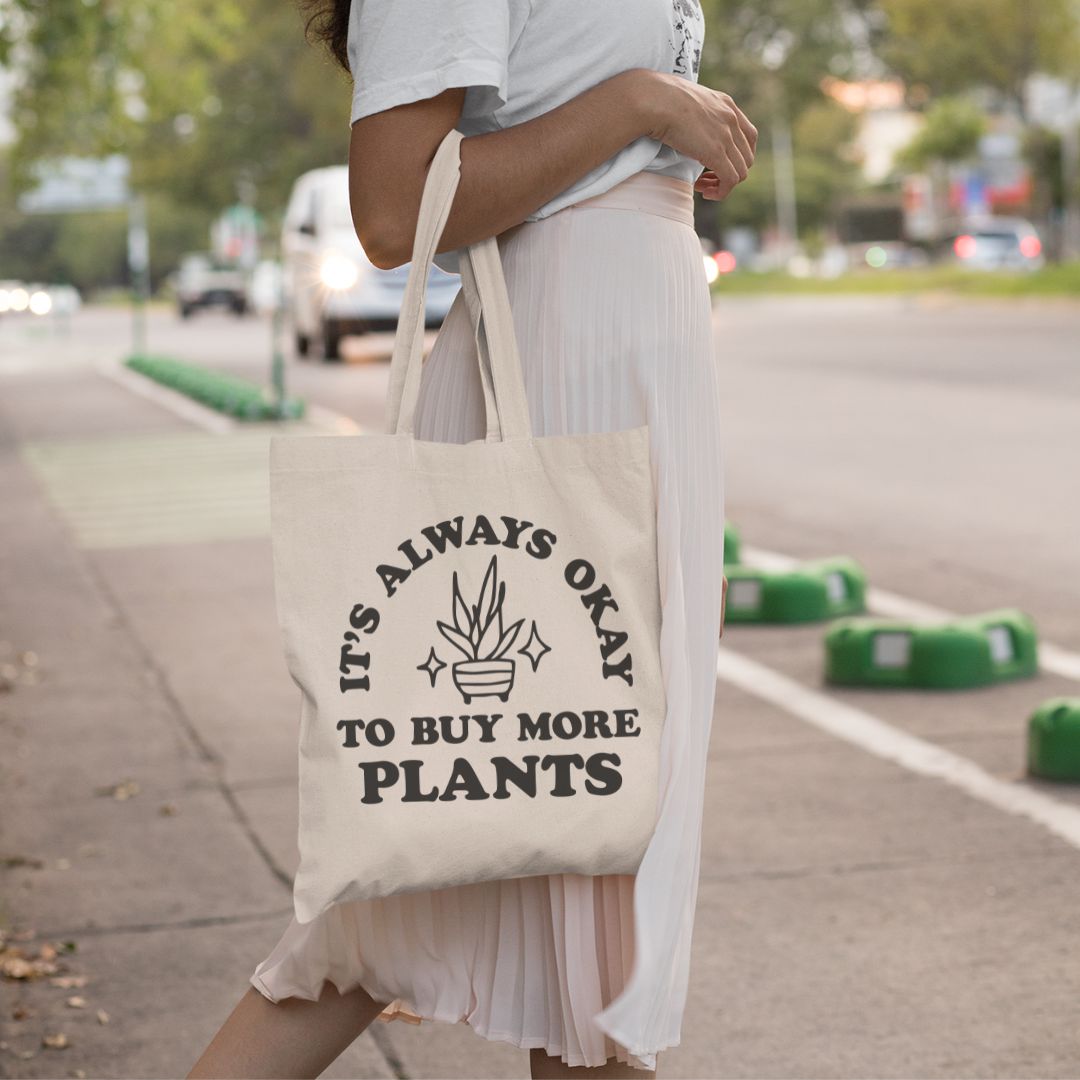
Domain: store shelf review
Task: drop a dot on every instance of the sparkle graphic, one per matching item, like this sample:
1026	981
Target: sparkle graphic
432	665
535	647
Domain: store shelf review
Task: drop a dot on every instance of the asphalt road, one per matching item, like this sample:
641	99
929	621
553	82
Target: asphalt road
883	891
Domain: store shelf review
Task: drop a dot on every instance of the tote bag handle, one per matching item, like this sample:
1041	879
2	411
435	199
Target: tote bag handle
505	404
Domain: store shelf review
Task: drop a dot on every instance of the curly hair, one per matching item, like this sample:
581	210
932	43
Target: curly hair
328	22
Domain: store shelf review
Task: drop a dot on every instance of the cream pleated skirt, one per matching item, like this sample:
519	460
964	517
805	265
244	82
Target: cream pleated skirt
613	319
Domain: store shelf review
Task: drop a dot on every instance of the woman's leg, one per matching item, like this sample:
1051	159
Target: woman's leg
291	1040
546	1067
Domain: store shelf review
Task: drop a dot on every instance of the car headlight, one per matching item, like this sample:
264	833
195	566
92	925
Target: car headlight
40	303
338	272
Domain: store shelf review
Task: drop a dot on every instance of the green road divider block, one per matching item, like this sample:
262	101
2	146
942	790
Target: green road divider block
732	544
1053	751
226	394
972	651
812	591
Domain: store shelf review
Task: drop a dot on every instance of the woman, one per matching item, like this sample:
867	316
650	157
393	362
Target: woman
586	134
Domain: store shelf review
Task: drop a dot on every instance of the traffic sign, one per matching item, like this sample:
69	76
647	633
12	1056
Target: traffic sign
71	185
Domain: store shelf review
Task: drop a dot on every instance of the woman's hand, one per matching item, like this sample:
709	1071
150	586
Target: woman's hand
703	124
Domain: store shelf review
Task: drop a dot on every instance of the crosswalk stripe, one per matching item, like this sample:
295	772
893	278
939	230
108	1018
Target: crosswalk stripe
134	490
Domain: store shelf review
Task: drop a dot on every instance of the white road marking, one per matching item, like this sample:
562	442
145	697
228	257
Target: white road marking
1052	658
876	737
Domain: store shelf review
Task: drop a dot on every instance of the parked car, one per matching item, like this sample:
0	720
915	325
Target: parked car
14	297
201	281
999	243
332	288
66	299
18	298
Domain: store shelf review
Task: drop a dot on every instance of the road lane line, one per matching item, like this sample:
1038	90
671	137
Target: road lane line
1052	658
875	736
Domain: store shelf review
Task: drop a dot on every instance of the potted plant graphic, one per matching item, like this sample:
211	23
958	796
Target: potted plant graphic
478	633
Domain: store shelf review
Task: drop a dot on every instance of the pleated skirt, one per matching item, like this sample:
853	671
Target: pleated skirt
613	318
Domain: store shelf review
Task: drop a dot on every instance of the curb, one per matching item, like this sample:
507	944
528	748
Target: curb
186	408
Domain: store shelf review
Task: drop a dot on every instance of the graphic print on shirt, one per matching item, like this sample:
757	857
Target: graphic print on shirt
688	22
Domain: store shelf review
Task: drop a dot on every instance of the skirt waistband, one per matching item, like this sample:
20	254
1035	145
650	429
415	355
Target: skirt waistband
648	193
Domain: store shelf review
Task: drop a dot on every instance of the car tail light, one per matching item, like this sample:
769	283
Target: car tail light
965	246
1031	247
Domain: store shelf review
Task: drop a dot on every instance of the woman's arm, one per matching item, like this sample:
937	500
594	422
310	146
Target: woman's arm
507	174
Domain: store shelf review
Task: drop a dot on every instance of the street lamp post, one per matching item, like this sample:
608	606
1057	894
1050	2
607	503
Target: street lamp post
138	246
773	57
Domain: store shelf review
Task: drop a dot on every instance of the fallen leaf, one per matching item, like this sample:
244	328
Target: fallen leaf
168	809
102	1016
15	967
10	862
20	1012
69	982
57	1041
79	1074
77	1002
126	789
16	964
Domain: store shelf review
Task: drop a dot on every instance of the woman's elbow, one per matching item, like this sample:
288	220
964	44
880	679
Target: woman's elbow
385	246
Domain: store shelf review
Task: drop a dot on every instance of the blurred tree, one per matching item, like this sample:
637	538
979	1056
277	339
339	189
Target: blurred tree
950	134
751	45
949	46
212	99
772	57
1044	153
825	172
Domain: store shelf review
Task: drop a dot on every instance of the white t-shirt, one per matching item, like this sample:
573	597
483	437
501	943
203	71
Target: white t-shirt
519	59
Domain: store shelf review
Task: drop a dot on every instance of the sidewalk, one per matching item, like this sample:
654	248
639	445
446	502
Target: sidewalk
853	920
147	741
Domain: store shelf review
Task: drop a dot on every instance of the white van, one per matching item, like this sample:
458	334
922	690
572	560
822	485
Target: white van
331	287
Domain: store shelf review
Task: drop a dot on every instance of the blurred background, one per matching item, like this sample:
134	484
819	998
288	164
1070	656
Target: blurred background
890	858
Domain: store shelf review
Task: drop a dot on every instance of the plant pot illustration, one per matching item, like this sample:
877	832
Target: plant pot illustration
478	634
484	678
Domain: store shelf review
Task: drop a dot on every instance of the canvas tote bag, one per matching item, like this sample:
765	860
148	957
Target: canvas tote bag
474	627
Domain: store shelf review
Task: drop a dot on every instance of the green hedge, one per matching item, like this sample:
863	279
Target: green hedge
1052	281
226	394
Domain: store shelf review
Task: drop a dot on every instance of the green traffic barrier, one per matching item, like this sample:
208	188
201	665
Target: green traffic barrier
966	652
812	591
1053	749
732	544
226	394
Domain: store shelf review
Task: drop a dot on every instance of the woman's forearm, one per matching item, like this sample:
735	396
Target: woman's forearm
505	175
